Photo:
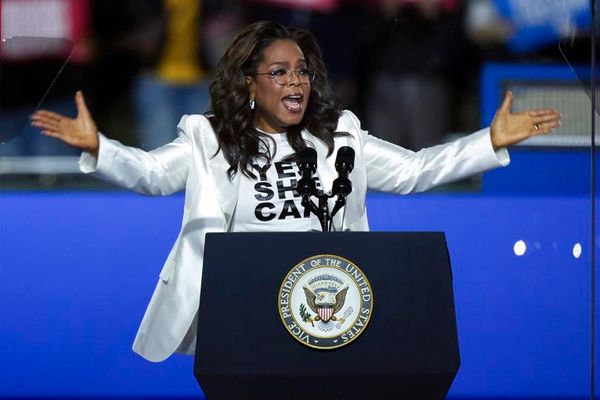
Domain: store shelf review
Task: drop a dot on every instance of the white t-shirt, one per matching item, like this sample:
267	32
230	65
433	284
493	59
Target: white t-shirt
271	203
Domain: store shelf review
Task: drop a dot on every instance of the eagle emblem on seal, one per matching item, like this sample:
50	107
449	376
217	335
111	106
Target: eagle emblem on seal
325	296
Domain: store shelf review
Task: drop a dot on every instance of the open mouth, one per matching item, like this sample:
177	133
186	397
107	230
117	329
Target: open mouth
293	102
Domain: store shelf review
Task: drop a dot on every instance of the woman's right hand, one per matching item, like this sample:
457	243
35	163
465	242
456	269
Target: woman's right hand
80	132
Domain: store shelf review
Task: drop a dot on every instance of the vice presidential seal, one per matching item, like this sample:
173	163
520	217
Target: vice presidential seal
325	301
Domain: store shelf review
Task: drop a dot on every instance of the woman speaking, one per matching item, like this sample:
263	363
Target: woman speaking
271	99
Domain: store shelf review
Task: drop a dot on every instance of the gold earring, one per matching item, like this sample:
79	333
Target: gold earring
252	104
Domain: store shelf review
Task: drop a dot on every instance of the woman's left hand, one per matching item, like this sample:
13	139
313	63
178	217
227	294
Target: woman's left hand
510	128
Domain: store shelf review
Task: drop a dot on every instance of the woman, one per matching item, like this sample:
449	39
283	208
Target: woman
271	99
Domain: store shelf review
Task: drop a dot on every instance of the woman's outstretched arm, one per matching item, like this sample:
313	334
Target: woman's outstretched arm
159	172
392	168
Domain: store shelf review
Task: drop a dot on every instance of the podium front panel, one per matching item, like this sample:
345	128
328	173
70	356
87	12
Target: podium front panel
410	345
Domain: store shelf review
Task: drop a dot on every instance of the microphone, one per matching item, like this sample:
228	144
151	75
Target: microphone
344	164
307	164
306	186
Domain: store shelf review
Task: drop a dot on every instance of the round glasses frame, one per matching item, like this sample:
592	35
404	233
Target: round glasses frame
305	76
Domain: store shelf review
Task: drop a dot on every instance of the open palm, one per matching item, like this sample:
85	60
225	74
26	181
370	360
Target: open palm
80	132
510	128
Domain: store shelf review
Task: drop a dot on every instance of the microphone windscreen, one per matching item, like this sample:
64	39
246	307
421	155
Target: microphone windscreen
345	158
307	156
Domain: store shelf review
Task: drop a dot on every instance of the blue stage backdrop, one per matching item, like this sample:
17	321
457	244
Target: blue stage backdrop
78	268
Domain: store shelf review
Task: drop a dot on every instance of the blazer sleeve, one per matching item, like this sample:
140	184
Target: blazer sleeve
391	168
157	173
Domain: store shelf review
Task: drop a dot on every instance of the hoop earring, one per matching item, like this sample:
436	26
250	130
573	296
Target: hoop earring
252	104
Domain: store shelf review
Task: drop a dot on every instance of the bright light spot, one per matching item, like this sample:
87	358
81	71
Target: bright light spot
577	250
520	247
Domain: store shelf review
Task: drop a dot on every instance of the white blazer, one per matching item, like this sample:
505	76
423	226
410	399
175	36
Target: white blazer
189	163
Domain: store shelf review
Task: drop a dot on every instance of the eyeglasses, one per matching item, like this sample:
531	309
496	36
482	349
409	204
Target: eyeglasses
283	76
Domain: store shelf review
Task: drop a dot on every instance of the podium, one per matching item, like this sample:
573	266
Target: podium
407	350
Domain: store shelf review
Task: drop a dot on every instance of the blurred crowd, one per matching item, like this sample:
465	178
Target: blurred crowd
407	68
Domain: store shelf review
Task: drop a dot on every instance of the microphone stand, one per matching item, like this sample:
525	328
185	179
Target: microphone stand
322	210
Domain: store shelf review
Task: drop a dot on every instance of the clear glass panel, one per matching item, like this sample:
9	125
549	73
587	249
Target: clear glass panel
30	69
577	50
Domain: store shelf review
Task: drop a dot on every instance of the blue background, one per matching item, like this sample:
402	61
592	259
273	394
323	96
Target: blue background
78	268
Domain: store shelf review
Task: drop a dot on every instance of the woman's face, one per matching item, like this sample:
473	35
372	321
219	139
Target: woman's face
279	106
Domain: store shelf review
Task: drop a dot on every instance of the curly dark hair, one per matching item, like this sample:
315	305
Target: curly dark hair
233	120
